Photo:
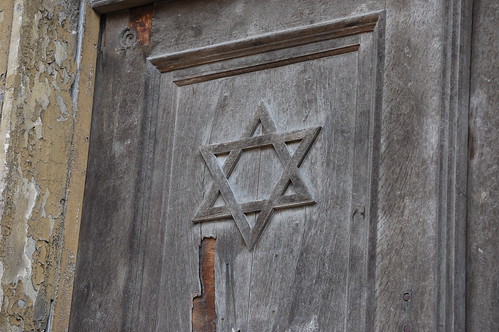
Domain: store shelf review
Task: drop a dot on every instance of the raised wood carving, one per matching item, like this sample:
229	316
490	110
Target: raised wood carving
277	199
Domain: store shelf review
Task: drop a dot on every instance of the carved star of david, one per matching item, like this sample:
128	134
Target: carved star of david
277	199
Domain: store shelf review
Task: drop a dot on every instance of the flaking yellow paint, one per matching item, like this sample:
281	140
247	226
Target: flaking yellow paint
46	102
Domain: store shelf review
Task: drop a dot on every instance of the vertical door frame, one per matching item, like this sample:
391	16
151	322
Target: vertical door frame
453	172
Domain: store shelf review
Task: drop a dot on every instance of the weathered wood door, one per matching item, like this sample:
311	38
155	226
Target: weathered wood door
268	166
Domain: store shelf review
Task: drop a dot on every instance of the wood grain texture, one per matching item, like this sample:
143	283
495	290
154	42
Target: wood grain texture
483	209
387	170
290	175
420	230
205	23
304	245
300	254
407	231
269	42
111	217
260	293
453	168
283	202
267	65
204	316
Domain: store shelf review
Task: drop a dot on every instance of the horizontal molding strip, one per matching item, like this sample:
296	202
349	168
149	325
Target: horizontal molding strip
265	43
267	65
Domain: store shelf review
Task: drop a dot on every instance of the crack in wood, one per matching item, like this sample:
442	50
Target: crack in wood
204	316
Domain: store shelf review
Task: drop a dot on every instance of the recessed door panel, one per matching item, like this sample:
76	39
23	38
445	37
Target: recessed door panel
270	162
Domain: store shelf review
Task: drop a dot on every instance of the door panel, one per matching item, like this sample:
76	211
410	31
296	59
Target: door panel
257	166
307	256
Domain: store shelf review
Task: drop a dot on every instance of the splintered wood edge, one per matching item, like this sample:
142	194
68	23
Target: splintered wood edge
204	315
265	43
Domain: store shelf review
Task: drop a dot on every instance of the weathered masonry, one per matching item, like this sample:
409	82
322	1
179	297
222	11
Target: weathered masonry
252	166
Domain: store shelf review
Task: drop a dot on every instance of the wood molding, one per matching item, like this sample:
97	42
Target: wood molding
454	168
208	74
265	43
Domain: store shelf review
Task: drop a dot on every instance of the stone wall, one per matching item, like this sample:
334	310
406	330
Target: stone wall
46	86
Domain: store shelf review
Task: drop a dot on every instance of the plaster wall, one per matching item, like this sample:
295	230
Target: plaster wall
46	86
5	28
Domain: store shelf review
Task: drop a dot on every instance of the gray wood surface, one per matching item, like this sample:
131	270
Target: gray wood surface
451	306
483	214
266	43
304	251
105	293
382	248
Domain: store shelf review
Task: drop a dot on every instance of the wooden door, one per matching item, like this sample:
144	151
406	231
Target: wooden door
266	166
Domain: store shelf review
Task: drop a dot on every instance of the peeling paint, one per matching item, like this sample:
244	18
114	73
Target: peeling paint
63	108
29	249
31	196
60	52
37	133
1	290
